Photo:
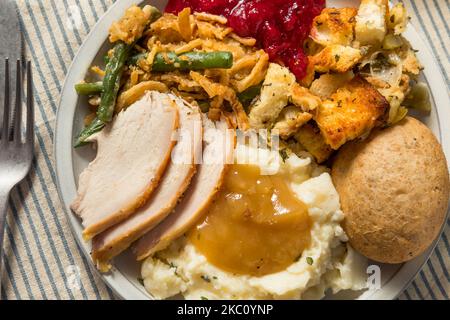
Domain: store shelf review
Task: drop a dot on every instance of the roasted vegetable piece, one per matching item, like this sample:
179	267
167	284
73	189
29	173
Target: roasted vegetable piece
95	126
87	89
111	81
170	61
418	98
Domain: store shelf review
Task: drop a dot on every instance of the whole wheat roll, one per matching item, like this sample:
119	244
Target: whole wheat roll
394	191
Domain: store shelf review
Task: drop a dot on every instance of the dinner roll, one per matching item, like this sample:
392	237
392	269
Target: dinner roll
394	191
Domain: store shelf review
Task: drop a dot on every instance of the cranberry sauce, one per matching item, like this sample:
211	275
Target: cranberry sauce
280	26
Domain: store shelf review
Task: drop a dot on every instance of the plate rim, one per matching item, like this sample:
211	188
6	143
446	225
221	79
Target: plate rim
115	280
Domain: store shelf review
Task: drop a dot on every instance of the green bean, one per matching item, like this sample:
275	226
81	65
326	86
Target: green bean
111	81
247	96
195	60
95	126
418	98
155	14
110	85
106	59
113	73
87	89
133	60
204	105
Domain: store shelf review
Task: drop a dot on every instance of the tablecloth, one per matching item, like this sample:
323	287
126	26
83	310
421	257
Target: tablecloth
41	257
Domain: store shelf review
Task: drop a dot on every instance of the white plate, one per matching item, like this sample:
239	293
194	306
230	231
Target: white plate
70	162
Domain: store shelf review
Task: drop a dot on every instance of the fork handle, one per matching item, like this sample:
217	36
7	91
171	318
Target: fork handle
4	196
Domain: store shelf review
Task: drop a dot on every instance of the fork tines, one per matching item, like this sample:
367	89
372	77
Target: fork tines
12	119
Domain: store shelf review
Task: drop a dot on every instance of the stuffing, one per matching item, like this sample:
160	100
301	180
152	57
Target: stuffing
311	139
336	58
410	63
370	27
395	95
328	83
334	26
131	26
303	98
352	111
290	119
274	96
398	19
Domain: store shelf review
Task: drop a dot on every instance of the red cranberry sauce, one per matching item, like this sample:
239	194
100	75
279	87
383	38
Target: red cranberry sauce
280	26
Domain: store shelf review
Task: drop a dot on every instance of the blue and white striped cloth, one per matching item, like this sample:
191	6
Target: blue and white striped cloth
42	260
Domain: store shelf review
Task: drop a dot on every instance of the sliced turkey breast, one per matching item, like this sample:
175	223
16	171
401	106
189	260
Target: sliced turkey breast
176	179
132	154
218	151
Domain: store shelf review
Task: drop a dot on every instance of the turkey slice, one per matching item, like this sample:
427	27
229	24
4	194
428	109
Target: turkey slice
218	151
176	179
132	154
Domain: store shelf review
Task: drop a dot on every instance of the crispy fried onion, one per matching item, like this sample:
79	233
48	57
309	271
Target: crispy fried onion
134	93
98	71
190	97
184	24
183	82
228	94
203	16
257	74
189	46
249	42
226	45
171	28
210	31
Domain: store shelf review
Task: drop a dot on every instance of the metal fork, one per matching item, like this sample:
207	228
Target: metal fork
16	153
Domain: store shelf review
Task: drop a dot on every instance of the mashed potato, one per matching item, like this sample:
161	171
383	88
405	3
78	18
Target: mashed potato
327	263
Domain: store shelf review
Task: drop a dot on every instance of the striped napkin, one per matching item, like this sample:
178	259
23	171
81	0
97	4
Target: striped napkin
42	259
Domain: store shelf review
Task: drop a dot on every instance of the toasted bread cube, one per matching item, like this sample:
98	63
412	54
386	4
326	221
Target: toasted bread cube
370	27
352	111
290	119
311	139
336	58
398	19
334	26
328	83
303	98
274	96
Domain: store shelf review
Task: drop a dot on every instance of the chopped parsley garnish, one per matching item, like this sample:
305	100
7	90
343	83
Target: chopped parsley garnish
283	154
309	261
172	266
205	278
203	298
337	58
